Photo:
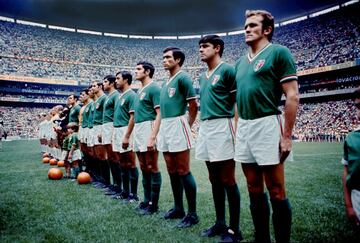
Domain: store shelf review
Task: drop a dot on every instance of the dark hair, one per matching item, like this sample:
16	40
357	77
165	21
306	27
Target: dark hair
268	20
86	91
147	66
75	96
177	54
99	83
73	125
111	78
215	40
126	75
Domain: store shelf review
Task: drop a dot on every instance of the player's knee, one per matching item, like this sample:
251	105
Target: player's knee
228	181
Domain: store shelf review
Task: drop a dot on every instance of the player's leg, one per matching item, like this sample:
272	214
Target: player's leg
177	187
259	204
146	181
151	158
133	175
183	170
282	216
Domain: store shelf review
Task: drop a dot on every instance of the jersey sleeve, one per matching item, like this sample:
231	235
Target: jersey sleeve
155	96
187	88
132	99
285	68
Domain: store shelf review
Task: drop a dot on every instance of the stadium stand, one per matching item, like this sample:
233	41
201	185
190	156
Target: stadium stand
41	53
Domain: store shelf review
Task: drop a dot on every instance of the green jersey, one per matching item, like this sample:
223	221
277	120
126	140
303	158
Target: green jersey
74	114
90	109
352	159
99	110
259	81
174	95
109	106
217	92
124	105
147	101
73	140
65	145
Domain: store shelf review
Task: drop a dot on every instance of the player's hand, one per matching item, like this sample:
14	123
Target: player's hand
353	218
151	144
125	143
284	148
69	157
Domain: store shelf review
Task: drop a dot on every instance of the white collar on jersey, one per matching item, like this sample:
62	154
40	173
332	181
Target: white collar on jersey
208	74
261	51
172	78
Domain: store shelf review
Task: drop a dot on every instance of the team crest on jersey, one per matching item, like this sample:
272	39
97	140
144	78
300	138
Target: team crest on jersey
87	109
122	102
97	106
142	95
215	79
171	92
259	64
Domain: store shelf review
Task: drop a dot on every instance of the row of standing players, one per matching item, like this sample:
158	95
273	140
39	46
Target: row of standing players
117	126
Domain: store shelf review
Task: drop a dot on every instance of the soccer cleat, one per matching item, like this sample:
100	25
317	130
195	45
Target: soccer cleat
189	220
132	198
174	214
216	229
230	236
151	209
142	206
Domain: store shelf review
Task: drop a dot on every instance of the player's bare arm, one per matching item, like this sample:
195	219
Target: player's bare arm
291	92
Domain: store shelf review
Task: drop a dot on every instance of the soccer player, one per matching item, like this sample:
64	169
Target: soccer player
175	139
215	142
351	175
147	122
122	141
107	133
74	155
83	127
74	109
263	141
102	167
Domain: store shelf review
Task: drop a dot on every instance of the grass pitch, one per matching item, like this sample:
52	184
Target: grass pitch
35	209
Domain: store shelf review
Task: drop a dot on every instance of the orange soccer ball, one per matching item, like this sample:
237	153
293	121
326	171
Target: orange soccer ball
53	162
46	160
61	163
84	178
55	174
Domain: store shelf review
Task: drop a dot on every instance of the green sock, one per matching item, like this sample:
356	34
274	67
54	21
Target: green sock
125	179
233	196
155	188
177	189
218	192
134	177
190	191
260	212
146	181
281	218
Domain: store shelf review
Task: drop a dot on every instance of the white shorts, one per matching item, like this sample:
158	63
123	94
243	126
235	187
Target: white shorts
355	200
80	134
118	136
257	141
174	135
63	155
107	132
142	133
216	140
97	131
76	155
90	137
84	136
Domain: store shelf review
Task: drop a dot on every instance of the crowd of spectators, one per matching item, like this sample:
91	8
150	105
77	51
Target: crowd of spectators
328	121
39	52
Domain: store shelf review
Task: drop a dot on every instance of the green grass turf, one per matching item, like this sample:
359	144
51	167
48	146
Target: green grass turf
35	209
